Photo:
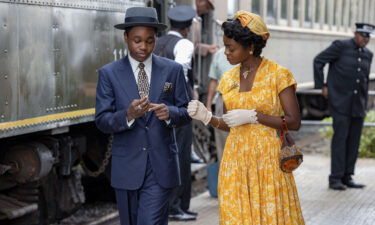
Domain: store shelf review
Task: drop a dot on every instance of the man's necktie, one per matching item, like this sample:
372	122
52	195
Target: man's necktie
143	86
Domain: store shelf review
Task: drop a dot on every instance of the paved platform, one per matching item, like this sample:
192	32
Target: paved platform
320	205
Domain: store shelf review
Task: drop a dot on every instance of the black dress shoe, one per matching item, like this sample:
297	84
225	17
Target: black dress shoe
191	213
337	186
352	184
181	217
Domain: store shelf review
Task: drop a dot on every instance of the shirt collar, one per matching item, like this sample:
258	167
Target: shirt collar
175	33
356	46
134	63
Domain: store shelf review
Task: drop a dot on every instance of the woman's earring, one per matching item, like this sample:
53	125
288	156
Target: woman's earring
251	52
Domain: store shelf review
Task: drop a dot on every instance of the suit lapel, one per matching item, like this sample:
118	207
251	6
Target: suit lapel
127	80
158	78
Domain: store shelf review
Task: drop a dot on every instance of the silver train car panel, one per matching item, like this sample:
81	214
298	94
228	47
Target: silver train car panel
49	55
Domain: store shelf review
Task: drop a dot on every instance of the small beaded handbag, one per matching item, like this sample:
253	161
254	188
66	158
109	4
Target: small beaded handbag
290	155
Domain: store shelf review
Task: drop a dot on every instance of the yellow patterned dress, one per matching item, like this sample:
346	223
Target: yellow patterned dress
252	188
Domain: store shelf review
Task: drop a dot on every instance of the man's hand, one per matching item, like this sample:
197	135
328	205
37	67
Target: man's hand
325	92
198	111
138	108
213	48
161	111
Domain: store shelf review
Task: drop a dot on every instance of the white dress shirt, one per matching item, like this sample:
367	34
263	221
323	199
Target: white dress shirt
148	69
183	52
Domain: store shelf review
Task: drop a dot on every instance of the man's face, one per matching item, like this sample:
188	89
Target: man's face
203	7
141	42
185	31
361	39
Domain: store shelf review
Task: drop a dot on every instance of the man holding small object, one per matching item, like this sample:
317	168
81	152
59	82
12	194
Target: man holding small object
140	99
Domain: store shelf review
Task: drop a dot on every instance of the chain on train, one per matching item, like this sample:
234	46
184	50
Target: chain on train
104	163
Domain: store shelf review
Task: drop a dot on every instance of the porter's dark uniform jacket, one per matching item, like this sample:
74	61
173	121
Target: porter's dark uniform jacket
348	76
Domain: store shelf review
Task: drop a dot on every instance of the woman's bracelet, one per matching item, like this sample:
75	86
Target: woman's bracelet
218	122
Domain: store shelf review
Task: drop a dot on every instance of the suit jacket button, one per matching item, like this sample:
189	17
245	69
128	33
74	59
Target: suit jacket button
358	81
355	92
359	59
359	69
144	149
146	127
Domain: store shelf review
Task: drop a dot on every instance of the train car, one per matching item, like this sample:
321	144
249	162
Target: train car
300	29
50	51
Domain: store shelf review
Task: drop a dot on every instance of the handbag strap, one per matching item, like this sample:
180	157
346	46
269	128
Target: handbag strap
284	129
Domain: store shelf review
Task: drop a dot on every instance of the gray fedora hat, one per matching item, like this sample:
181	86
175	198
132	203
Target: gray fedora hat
141	16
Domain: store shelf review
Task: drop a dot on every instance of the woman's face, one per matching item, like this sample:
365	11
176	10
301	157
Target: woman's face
234	51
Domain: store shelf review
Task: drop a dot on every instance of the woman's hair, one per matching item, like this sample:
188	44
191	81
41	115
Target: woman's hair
234	30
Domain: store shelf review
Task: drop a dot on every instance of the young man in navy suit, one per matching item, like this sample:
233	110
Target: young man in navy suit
141	99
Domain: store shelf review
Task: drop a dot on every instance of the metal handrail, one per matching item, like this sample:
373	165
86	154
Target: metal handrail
319	92
328	123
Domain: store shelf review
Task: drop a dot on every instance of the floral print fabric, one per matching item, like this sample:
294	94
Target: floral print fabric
252	188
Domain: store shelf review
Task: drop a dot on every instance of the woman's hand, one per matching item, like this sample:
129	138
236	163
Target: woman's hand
238	117
198	111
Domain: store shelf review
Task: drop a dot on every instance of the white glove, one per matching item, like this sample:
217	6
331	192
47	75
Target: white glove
238	117
198	111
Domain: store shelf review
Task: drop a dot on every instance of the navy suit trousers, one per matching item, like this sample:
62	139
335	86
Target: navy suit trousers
180	197
145	206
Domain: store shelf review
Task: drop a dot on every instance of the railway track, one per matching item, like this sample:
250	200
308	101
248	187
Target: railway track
109	219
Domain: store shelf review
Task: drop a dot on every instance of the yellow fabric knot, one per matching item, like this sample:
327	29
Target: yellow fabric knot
254	22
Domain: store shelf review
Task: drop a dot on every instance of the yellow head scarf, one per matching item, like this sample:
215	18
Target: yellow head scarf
254	22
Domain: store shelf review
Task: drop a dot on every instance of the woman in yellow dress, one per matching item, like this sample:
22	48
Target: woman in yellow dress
252	188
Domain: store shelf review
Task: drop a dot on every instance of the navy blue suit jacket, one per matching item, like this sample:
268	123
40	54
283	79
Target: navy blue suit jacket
148	135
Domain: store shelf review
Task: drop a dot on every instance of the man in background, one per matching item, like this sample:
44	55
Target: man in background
175	46
140	99
203	8
347	92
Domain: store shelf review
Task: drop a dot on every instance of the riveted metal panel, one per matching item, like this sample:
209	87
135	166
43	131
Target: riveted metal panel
8	62
36	78
106	5
76	59
53	50
85	41
118	37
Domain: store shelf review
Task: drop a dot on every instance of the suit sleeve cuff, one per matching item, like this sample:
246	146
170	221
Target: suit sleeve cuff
130	123
173	113
121	118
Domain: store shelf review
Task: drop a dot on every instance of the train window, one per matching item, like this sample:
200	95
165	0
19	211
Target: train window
337	10
295	9
284	4
271	11
255	6
308	10
317	12
233	7
361	11
351	14
326	14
